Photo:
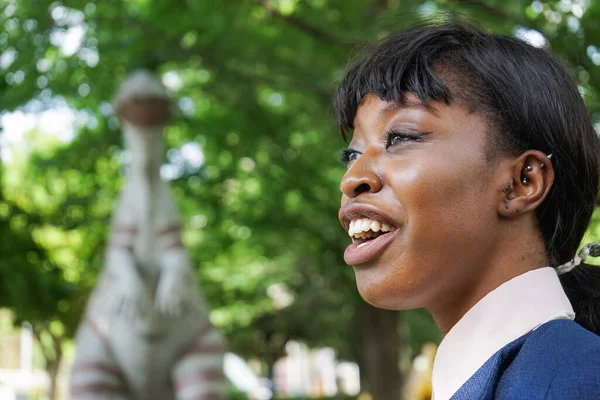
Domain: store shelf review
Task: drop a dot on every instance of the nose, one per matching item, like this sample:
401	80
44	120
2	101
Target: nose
360	178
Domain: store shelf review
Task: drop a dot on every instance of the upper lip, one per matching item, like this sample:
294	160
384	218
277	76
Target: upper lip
353	211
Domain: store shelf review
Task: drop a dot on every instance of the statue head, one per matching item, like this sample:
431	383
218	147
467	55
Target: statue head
142	101
144	108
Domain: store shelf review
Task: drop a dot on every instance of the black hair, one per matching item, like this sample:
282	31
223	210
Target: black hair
529	102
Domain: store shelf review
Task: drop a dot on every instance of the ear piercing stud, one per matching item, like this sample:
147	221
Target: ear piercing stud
529	168
543	164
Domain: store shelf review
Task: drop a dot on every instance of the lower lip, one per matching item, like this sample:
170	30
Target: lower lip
357	254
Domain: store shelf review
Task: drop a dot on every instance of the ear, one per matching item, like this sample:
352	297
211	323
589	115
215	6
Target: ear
528	180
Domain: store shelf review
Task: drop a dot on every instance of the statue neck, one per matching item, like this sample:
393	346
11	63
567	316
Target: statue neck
145	144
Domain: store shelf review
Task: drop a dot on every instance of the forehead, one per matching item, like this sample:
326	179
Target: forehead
373	109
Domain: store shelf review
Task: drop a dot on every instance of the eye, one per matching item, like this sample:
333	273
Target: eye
347	155
394	138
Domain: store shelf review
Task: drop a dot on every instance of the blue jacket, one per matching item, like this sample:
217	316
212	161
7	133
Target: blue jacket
558	360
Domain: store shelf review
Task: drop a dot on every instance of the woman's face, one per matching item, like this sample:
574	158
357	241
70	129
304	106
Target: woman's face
421	174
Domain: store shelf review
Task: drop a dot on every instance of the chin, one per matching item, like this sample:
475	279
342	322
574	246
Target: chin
381	295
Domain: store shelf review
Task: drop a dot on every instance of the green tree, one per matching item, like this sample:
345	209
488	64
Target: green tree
32	285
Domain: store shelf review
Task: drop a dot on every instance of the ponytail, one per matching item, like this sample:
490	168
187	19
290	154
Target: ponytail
582	286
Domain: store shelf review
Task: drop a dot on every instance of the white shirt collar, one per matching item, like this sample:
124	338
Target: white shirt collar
506	313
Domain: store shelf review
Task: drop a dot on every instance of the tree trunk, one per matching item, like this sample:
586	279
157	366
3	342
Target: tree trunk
271	375
53	365
52	355
52	369
380	354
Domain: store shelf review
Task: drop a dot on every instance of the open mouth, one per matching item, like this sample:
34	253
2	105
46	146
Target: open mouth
369	237
363	230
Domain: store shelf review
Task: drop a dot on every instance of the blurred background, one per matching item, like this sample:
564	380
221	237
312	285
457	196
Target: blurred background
252	159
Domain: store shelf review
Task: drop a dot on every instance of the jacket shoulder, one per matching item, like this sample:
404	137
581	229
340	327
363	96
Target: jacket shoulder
577	379
559	360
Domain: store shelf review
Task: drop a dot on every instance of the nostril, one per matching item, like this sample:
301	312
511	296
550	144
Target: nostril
365	187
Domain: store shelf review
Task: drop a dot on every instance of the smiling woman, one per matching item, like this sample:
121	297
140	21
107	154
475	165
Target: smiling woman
472	175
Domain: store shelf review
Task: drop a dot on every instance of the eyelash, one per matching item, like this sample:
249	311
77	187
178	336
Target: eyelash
347	155
406	136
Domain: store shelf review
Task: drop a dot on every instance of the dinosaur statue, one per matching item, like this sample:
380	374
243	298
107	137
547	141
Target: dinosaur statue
145	334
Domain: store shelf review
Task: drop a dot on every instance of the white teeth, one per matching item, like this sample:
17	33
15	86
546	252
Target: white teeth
364	228
365	224
375	226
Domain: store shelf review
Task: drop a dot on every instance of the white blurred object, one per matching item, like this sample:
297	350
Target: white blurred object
245	380
418	385
306	372
7	393
325	365
349	378
26	347
140	85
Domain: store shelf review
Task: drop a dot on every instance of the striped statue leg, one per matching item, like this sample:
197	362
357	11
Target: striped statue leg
96	374
198	373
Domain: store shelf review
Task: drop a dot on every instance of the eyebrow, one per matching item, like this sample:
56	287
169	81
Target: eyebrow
395	106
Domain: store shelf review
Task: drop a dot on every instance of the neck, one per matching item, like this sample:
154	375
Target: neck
513	255
146	148
144	171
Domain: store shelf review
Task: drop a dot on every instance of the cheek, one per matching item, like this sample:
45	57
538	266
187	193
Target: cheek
444	204
444	220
